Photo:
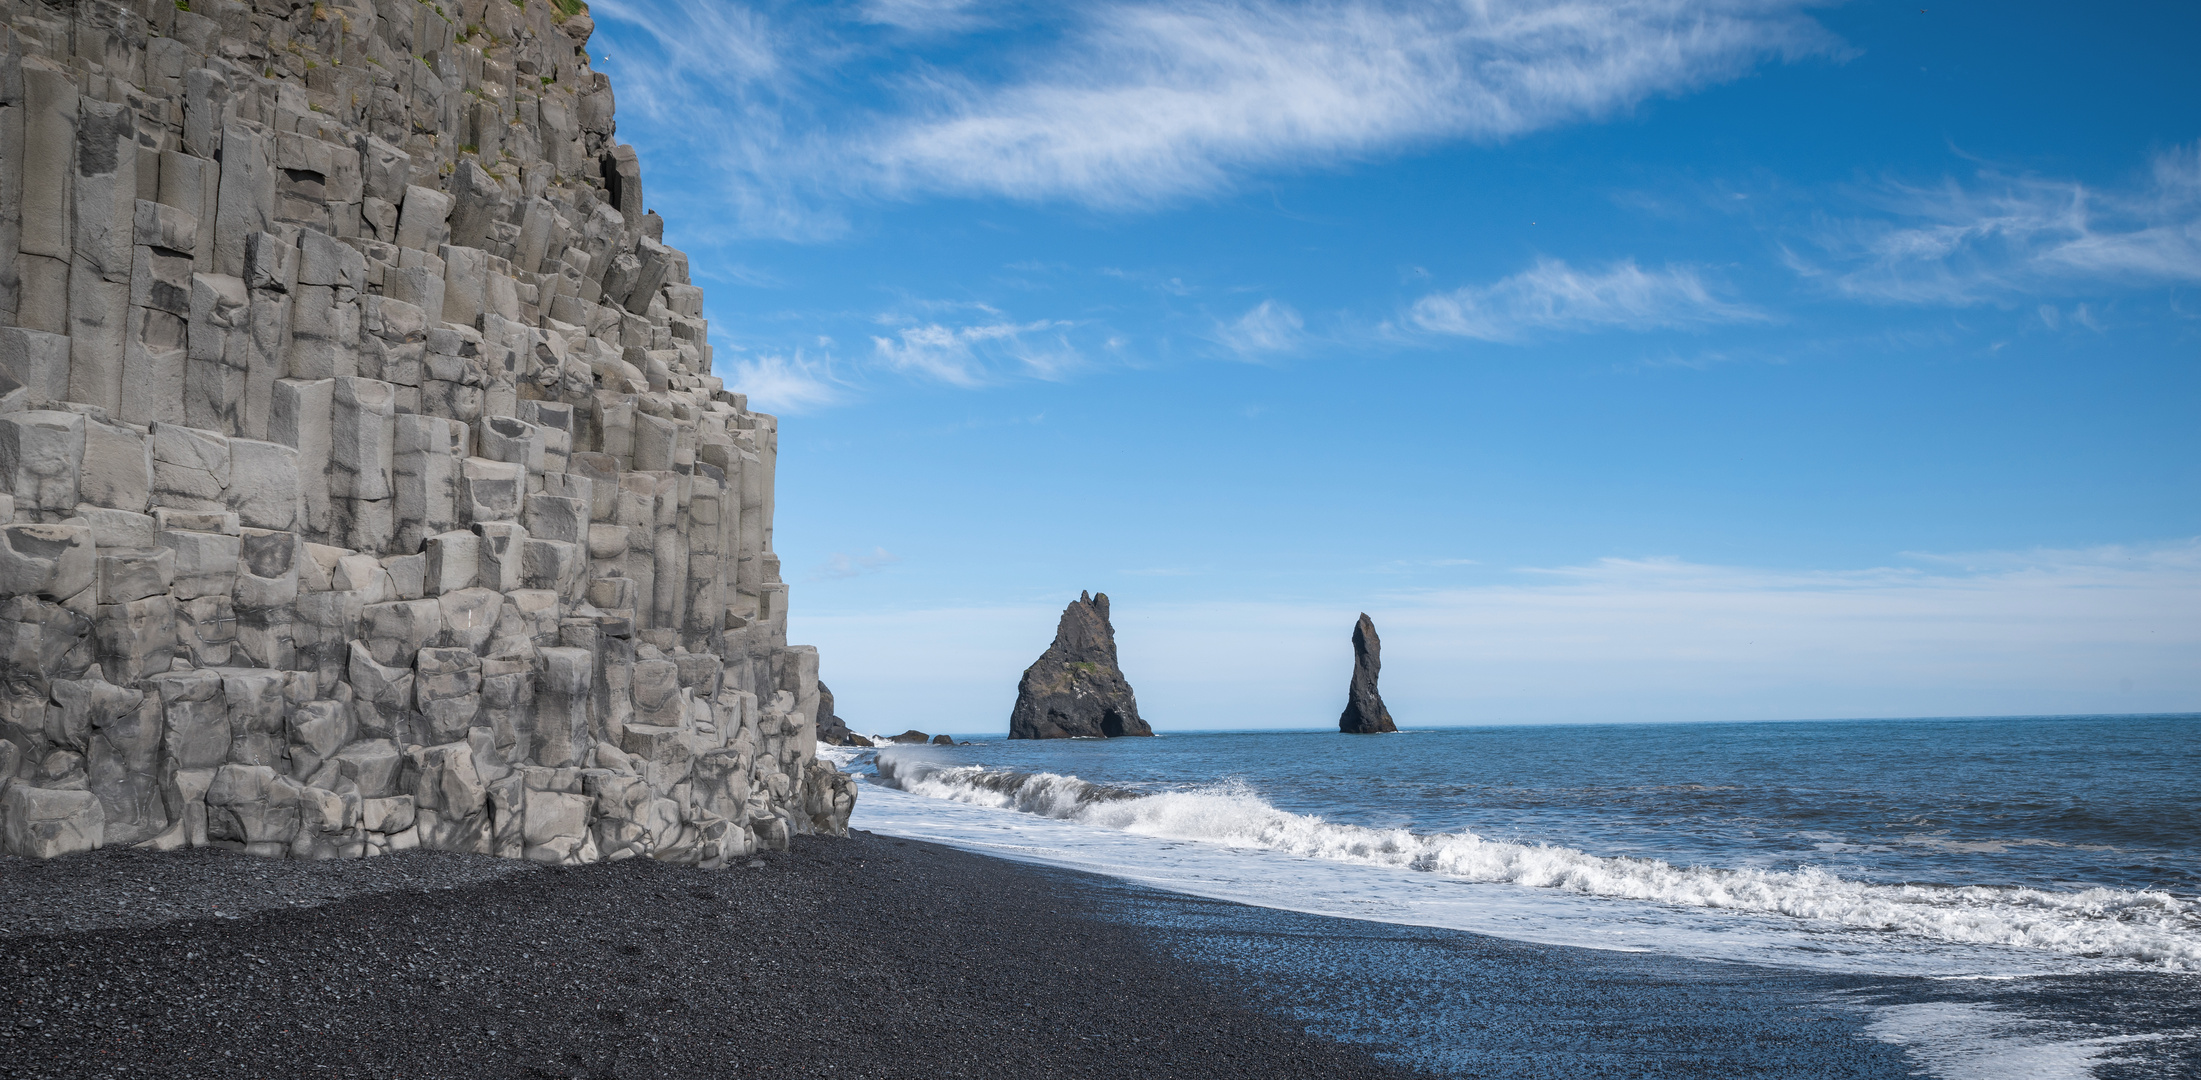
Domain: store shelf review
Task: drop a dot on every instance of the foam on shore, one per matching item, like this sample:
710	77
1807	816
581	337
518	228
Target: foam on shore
2101	926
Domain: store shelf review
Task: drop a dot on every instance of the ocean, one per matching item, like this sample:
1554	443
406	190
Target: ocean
2020	896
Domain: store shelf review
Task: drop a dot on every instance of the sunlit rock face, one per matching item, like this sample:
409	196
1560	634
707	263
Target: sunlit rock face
363	485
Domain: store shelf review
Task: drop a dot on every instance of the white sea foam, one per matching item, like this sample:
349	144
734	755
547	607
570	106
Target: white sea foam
2140	927
1967	1041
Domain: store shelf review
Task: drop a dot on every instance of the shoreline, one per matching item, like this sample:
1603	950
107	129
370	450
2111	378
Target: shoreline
878	956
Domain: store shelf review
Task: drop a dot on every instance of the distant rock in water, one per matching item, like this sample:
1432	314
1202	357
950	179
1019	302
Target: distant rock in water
1075	689
832	730
942	740
912	737
1364	711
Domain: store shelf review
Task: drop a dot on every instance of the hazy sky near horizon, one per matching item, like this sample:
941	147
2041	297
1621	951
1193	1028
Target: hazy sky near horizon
1669	359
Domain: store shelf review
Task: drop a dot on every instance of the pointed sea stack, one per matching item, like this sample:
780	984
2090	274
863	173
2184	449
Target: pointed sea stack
1364	711
1075	689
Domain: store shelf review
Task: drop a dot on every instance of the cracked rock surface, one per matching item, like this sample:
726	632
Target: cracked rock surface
364	485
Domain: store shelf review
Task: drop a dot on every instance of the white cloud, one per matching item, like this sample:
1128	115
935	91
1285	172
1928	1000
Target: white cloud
924	16
781	383
1269	327
714	85
971	356
1151	101
841	565
1995	633
789	112
2015	236
1553	296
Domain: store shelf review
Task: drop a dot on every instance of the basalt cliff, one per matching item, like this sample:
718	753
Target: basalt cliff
363	482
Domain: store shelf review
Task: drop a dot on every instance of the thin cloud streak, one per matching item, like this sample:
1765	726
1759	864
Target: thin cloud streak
1149	103
972	356
924	16
840	565
1135	104
713	85
1266	328
1555	297
782	384
2001	237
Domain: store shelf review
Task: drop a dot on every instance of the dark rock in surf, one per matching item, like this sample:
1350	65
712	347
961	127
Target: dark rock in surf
1075	689
1364	711
832	730
912	737
942	740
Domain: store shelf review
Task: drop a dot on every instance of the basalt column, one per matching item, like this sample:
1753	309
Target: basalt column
364	484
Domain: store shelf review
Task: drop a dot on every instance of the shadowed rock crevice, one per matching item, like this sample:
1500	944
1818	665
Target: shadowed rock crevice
1364	712
1075	690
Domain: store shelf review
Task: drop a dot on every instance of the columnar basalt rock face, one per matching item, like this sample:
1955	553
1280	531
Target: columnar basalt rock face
363	483
1364	712
1075	690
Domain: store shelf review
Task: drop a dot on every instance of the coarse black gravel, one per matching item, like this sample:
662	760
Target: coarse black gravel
865	957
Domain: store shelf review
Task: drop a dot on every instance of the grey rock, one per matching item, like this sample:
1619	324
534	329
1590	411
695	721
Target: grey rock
359	491
56	562
46	822
41	459
117	471
38	360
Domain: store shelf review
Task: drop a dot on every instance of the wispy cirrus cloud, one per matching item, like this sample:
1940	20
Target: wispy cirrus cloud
1266	328
790	383
789	119
1554	297
840	565
1149	102
924	16
714	84
1127	104
978	355
2000	237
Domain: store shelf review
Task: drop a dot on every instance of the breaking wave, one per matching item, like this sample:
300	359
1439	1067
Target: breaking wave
2144	926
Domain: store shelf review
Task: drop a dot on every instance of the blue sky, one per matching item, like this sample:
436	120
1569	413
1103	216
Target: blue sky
1634	361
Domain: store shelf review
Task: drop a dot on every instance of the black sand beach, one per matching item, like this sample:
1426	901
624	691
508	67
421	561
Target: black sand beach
870	957
858	958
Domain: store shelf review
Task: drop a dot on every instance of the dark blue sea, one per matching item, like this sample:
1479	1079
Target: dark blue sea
2020	896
